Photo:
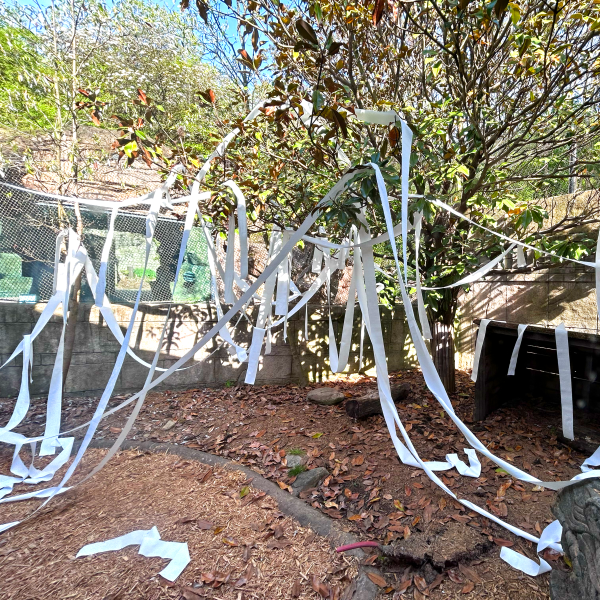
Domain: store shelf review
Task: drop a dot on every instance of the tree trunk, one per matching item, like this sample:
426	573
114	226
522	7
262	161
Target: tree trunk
442	349
73	310
71	327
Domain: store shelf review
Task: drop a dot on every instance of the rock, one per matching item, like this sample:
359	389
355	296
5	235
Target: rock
369	404
308	479
326	396
169	425
365	588
577	508
293	460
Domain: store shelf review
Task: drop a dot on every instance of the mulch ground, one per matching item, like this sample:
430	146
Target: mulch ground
369	491
241	546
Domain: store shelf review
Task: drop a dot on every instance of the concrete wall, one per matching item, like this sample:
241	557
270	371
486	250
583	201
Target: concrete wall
545	298
96	349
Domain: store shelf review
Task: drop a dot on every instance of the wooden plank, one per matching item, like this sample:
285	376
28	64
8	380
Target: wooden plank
576	335
491	384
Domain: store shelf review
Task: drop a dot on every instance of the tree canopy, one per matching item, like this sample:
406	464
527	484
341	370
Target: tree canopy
502	99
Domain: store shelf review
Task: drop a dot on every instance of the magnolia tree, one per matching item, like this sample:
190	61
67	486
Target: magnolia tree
502	99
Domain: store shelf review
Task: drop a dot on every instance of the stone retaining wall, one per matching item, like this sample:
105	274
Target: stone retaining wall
96	349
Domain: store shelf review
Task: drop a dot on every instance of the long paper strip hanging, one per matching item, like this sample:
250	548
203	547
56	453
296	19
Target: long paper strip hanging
398	270
296	236
564	374
512	366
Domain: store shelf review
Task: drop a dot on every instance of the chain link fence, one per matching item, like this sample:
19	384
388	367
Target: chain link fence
30	221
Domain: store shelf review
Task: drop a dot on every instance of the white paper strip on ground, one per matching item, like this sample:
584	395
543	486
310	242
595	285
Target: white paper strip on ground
150	545
592	461
522	563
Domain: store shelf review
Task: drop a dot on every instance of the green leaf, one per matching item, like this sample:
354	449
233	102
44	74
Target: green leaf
318	12
316	435
317	100
499	470
130	148
244	491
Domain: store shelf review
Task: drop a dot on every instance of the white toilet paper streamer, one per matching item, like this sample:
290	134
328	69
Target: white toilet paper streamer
150	545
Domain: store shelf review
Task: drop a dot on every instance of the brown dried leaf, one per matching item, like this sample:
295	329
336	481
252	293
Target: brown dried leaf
247	553
403	586
190	593
358	460
296	589
454	576
279	544
230	542
377	579
349	591
278	531
321	588
502	542
203	524
461	518
502	489
205	476
469	573
437	581
420	583
428	513
468	588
